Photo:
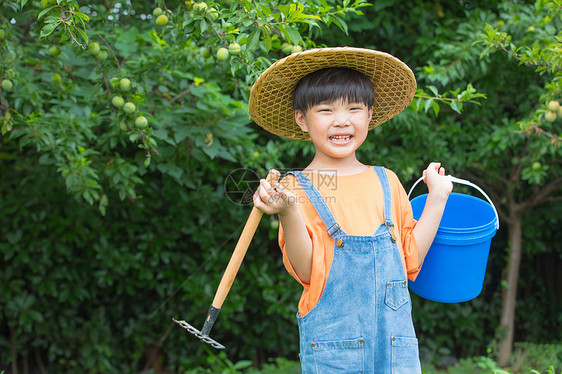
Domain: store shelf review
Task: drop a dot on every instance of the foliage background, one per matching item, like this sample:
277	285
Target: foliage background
109	231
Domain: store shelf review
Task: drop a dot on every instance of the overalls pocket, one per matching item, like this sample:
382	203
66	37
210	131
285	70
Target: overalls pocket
341	356
405	358
396	294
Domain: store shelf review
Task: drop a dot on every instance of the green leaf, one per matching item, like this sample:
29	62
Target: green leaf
44	11
428	104
294	35
51	19
244	364
436	108
265	9
83	35
417	104
284	9
203	25
434	90
253	39
48	29
82	16
103	204
340	23
268	41
456	106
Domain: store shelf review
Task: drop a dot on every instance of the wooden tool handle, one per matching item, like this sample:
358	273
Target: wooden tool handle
241	248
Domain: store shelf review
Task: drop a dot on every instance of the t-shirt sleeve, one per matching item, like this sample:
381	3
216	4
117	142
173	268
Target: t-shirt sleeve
406	224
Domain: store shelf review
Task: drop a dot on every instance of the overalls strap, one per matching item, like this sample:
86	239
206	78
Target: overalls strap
324	211
381	172
317	201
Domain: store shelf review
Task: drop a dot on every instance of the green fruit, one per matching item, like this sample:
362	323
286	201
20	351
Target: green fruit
7	85
102	55
125	84
54	51
200	7
141	122
117	101
296	48
161	20
234	48
553	106
559	111
48	3
129	107
536	166
550	116
156	12
56	78
94	48
114	82
286	48
222	54
213	14
10	74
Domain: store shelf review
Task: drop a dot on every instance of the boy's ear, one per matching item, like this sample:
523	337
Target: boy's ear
371	113
300	118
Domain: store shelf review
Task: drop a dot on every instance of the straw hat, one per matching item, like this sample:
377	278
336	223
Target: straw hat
271	97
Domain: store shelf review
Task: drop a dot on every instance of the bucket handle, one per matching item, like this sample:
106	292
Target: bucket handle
468	183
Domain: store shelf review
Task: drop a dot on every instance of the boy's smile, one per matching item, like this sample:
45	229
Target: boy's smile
336	129
340	139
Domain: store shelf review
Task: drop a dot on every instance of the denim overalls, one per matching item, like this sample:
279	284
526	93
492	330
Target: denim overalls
362	322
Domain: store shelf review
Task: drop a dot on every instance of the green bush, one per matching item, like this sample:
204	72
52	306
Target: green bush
531	356
527	358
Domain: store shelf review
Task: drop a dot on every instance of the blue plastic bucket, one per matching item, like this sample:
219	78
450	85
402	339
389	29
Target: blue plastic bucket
454	268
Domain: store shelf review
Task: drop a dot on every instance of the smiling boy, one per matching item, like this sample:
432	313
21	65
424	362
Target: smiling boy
354	251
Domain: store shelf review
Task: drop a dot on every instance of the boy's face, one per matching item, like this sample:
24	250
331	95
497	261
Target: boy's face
337	128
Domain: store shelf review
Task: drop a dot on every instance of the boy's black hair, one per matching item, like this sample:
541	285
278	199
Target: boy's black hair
333	84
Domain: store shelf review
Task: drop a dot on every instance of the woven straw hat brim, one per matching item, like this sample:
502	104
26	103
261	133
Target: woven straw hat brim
271	97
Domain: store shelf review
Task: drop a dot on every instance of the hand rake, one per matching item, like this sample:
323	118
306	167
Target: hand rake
230	273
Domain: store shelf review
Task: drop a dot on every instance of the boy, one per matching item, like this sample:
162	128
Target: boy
352	242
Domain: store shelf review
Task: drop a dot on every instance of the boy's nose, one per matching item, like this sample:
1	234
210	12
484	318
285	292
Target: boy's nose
341	119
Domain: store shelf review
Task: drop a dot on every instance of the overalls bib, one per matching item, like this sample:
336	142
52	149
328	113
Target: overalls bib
362	322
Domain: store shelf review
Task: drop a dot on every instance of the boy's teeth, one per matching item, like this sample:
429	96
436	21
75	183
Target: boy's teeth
337	137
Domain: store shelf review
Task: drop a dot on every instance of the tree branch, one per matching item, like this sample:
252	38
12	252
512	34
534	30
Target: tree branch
528	63
539	196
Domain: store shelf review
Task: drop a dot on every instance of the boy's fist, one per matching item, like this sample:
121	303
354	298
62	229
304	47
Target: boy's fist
273	199
436	180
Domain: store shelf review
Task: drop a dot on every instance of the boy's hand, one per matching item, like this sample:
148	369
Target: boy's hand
273	199
437	183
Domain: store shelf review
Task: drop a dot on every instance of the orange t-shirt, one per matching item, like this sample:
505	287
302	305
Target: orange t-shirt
357	203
